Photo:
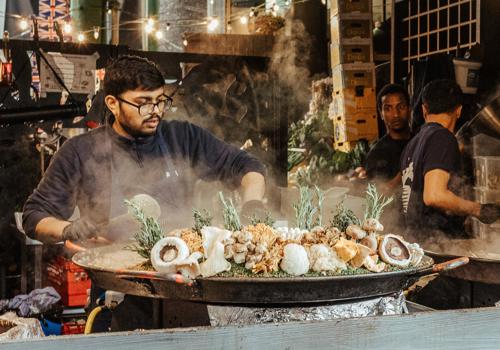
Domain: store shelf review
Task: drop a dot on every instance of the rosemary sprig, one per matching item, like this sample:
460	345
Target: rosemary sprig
201	219
307	213
150	232
268	220
375	203
230	214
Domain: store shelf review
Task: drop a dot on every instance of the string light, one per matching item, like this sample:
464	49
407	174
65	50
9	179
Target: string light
81	37
185	42
149	27
252	12
213	24
244	20
23	24
151	22
67	28
96	33
276	7
229	27
211	2
323	2
287	2
168	27
159	34
109	11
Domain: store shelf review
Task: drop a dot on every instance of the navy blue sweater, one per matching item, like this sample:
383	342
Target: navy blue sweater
96	171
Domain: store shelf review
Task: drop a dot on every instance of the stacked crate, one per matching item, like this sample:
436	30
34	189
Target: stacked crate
353	109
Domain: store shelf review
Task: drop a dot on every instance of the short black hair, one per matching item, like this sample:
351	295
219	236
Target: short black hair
391	89
130	72
441	96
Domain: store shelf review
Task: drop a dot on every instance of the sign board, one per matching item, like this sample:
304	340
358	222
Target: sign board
77	71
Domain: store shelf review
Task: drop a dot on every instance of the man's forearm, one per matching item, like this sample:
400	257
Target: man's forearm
50	230
449	202
253	187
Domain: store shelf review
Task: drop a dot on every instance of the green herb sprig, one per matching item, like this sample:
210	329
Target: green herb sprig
308	213
375	203
149	234
230	214
201	219
343	217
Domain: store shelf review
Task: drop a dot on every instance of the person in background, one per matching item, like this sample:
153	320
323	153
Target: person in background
430	164
382	162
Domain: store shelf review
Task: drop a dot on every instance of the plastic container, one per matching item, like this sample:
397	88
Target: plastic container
487	172
73	327
467	74
69	280
484	195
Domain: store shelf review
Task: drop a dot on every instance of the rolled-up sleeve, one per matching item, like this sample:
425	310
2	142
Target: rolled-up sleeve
55	195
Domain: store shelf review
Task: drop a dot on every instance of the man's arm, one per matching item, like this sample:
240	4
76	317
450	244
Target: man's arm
50	229
253	187
437	195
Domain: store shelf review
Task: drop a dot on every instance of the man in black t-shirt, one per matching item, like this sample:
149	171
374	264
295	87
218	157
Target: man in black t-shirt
382	162
429	167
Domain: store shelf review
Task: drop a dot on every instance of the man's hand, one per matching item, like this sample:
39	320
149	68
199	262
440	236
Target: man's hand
489	213
79	230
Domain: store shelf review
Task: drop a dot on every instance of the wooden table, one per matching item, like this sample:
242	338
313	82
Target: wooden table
440	330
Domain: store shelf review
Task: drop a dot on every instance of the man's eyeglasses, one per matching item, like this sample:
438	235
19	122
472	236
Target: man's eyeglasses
146	109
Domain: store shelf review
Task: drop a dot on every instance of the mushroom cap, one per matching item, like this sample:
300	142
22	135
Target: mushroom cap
359	258
371	242
394	251
372	225
355	231
179	252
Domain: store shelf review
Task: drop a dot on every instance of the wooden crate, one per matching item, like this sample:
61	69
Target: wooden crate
347	102
350	7
355	127
351	52
353	75
352	28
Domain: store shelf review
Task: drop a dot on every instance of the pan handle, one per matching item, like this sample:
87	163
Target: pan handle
444	266
153	275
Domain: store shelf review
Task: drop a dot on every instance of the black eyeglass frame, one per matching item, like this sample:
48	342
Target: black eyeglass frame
168	104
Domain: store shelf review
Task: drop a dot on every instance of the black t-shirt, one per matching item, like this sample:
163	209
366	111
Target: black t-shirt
382	162
434	147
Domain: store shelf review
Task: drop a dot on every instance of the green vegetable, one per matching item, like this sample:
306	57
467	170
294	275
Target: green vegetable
343	217
375	203
307	214
230	214
201	219
150	232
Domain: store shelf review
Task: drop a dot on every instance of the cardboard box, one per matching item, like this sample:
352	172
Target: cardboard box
354	75
349	7
353	29
360	52
347	146
350	101
355	127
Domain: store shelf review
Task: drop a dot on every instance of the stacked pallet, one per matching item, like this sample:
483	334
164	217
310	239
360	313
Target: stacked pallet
353	109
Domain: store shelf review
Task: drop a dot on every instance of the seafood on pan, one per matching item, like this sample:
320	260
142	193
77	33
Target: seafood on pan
346	245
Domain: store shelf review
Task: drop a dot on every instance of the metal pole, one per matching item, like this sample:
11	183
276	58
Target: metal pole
115	22
393	40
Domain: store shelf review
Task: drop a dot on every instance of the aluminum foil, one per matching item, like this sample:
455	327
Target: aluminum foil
230	315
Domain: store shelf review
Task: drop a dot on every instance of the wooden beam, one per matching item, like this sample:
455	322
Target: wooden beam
440	330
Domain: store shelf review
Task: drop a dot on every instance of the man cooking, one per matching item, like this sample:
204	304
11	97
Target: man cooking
429	167
135	153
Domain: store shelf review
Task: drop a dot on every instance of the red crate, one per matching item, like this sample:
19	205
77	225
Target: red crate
69	280
73	327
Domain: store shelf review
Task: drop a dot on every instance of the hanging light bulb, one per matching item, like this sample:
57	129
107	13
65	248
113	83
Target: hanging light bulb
81	37
159	34
96	33
244	20
211	2
323	2
149	27
229	27
168	27
185	42
287	3
23	24
213	24
67	28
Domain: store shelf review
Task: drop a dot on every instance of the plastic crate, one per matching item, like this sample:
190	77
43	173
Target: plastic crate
73	327
487	172
355	127
344	146
484	195
69	280
351	53
353	75
350	30
347	102
350	7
